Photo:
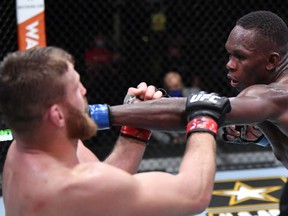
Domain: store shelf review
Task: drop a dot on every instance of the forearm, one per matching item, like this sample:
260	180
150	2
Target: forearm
127	154
166	114
199	164
200	152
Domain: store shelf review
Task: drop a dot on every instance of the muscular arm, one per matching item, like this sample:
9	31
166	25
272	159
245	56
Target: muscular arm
248	110
127	154
256	104
194	181
99	189
253	105
167	114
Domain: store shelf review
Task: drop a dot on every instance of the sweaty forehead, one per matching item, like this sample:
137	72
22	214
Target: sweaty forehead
241	38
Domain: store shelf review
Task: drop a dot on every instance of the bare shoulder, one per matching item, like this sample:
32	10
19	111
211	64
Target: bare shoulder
87	188
274	91
97	178
48	187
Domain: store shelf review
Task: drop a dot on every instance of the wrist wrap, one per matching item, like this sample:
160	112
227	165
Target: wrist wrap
100	113
202	124
136	133
262	141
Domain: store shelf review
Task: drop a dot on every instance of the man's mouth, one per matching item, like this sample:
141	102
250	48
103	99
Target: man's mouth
234	83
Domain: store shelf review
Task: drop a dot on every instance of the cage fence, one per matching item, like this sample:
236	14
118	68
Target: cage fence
119	43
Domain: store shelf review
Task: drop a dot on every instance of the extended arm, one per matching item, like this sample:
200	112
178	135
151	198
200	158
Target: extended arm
167	114
253	105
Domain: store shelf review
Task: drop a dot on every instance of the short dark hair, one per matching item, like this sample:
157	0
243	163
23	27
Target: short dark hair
267	24
30	83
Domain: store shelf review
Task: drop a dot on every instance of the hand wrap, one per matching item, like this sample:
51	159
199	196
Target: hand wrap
206	112
202	124
100	113
136	133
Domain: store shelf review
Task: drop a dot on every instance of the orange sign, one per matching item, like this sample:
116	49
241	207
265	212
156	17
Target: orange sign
31	24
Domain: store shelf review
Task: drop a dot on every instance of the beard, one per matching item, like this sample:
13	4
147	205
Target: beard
79	124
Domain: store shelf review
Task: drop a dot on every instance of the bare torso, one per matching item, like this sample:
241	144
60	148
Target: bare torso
38	184
32	180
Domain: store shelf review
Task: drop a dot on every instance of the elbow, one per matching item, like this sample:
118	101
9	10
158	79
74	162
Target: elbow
202	202
198	202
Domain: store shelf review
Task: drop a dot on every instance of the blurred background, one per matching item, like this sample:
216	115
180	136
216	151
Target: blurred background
178	45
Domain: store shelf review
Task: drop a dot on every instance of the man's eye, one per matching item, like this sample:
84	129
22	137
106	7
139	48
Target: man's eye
241	57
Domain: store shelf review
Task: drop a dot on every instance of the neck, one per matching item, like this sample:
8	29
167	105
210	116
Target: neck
55	145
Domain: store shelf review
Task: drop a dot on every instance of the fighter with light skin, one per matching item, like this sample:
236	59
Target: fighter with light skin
48	170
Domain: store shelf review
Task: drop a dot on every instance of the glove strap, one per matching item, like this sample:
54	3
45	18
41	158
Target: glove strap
262	141
136	133
202	124
100	113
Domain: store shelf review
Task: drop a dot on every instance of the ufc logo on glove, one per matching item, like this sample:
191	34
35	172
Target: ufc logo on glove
202	97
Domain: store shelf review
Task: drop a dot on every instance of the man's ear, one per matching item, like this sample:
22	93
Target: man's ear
273	61
56	115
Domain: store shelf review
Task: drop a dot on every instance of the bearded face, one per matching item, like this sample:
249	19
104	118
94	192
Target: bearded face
79	124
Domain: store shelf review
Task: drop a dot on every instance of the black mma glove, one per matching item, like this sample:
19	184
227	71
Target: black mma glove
206	112
260	140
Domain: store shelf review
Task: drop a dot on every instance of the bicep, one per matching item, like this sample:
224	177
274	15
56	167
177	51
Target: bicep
251	109
111	191
167	194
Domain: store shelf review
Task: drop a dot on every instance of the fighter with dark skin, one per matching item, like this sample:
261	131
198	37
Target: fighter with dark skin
257	67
